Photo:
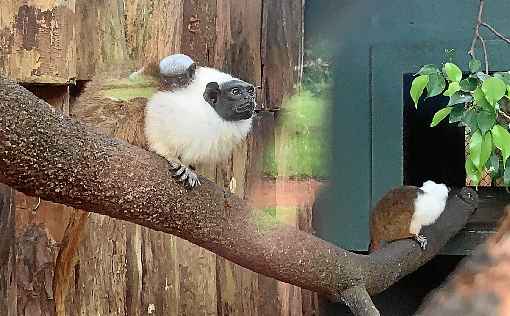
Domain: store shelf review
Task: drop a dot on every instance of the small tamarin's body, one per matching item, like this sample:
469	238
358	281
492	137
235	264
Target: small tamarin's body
197	115
403	211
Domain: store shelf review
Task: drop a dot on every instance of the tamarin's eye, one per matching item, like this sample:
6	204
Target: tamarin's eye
235	91
251	90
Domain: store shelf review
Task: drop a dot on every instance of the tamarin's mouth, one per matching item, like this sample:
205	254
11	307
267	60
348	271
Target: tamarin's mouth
245	107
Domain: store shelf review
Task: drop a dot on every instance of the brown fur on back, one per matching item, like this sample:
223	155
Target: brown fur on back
120	119
391	217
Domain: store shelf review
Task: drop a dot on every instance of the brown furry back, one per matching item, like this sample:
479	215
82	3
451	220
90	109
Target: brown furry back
117	118
391	217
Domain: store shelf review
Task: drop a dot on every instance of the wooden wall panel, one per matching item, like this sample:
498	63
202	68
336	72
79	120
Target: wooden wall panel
101	36
8	288
109	267
153	28
282	49
199	30
37	40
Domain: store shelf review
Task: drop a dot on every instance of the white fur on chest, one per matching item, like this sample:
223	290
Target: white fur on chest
428	205
182	125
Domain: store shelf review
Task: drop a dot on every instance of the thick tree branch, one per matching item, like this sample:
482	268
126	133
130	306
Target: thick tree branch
481	284
359	302
47	154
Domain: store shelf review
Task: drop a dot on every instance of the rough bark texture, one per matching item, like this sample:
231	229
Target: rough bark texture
359	301
36	42
7	252
481	285
45	153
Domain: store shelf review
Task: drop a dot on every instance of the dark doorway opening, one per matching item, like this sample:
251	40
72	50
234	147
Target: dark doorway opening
431	153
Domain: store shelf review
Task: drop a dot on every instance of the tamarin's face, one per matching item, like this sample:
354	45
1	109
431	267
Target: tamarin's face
233	100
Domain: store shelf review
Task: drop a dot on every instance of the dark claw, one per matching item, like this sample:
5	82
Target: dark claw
421	240
184	174
179	172
174	165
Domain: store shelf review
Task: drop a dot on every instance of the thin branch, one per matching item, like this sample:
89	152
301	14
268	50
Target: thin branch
477	30
478	37
493	30
485	54
505	116
359	302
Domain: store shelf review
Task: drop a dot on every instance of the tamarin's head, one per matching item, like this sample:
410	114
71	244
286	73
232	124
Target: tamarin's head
233	100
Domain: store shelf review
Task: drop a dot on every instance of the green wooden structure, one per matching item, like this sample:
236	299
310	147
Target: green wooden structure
380	44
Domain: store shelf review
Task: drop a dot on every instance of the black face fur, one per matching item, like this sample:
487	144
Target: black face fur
233	100
171	82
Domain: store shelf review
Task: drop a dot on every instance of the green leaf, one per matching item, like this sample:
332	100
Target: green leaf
480	148
494	89
419	83
486	150
458	98
480	99
493	165
456	113
469	119
486	121
452	88
472	172
474	65
435	85
440	115
469	84
505	76
453	72
429	69
501	139
506	175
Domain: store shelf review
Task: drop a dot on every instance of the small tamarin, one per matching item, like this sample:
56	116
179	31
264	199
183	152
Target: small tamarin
402	212
198	115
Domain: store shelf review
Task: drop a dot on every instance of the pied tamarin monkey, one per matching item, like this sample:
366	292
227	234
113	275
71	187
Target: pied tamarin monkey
403	211
198	115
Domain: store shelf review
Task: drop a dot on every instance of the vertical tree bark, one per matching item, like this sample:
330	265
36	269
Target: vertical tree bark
7	252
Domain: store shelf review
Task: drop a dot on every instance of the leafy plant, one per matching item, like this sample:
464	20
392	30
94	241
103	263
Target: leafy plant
478	101
317	74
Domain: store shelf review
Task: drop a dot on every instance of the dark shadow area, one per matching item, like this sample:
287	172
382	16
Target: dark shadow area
431	153
405	296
